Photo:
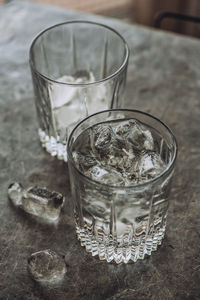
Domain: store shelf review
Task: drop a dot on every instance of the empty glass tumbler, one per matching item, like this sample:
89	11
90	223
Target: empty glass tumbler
78	68
121	164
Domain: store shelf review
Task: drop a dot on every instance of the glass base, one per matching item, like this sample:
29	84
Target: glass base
107	249
52	146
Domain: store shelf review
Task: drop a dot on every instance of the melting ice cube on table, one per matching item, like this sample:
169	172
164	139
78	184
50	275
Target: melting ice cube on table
46	267
37	201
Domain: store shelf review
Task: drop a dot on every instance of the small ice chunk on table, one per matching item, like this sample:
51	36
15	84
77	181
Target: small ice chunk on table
37	201
46	267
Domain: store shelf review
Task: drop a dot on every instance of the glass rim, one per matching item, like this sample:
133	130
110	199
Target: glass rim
133	186
118	71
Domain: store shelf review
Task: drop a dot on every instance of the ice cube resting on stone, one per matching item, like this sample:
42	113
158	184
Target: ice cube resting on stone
37	201
120	152
46	267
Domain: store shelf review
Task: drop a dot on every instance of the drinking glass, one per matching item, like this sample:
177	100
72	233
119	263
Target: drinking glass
121	222
78	68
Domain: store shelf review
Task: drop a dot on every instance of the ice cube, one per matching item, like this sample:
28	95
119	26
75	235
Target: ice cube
140	137
97	172
150	165
123	128
84	161
37	201
135	135
69	114
105	176
149	141
40	202
65	93
61	93
15	193
121	163
102	135
46	267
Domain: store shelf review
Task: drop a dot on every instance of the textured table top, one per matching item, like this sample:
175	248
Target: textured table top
163	79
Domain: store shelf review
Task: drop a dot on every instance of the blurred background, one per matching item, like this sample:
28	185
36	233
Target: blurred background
145	12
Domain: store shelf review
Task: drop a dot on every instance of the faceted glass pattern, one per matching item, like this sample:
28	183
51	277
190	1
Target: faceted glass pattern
120	217
78	68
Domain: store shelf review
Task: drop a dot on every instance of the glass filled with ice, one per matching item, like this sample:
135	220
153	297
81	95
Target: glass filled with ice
121	164
78	68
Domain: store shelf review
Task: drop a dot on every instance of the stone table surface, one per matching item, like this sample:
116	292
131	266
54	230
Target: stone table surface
163	79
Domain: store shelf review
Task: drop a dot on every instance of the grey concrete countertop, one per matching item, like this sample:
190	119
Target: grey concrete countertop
163	79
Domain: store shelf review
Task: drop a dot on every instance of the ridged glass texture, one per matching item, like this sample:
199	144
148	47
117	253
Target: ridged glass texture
122	224
78	68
